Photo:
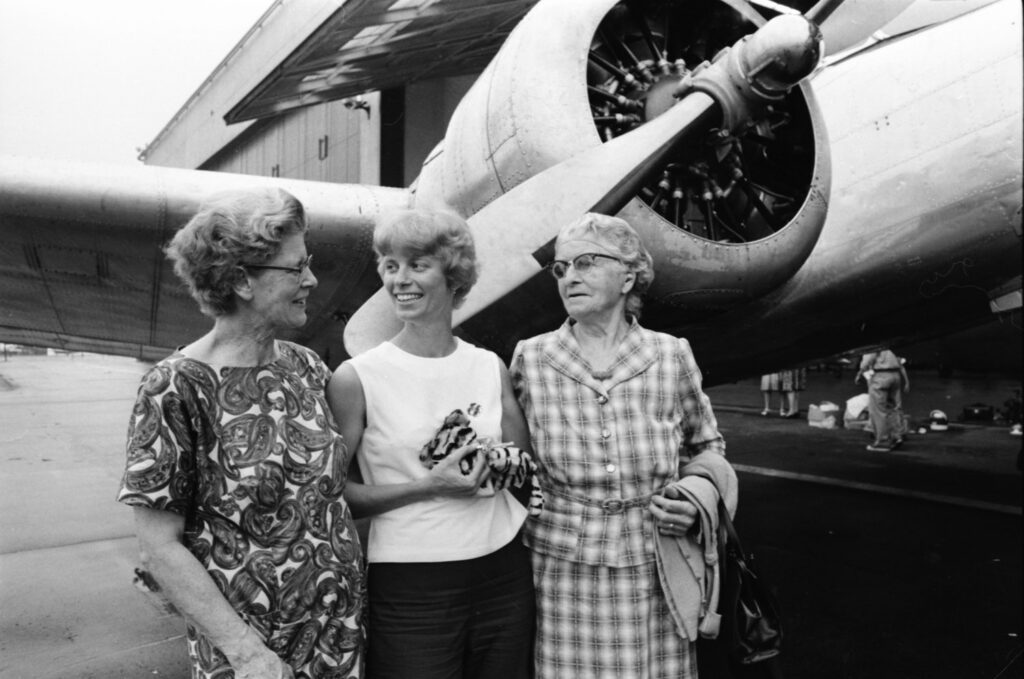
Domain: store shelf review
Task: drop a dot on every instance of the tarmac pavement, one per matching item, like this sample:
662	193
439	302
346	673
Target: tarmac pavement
901	565
971	464
904	564
68	609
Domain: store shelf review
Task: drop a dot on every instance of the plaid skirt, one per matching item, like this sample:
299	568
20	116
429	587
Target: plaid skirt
595	622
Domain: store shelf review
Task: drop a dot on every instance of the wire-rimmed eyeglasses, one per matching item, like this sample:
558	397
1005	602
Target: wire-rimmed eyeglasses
582	263
297	270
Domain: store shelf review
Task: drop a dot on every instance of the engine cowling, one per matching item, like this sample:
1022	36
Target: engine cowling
728	219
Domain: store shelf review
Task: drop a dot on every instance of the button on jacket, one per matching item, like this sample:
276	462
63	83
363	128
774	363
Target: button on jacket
605	444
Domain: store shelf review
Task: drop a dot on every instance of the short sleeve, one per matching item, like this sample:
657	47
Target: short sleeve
700	428
515	372
160	453
309	365
866	361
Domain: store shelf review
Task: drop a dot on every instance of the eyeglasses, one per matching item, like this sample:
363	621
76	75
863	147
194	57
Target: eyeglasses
297	270
582	263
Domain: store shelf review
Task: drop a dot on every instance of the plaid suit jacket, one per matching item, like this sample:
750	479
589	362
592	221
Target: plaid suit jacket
604	446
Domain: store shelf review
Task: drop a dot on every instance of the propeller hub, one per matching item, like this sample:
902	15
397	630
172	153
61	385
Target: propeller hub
783	52
659	98
759	69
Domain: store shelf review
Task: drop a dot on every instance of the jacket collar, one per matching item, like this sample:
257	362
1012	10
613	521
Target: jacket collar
632	358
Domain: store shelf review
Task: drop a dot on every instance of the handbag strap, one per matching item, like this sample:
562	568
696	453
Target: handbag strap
728	532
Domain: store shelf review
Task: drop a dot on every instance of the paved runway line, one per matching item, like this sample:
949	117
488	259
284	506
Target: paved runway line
885	490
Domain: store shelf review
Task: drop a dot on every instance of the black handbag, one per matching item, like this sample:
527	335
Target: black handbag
750	637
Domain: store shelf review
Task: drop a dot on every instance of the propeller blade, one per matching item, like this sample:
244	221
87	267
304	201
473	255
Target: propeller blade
602	179
922	14
821	11
847	23
372	323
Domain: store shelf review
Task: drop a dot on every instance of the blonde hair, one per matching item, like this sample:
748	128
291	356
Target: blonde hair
444	235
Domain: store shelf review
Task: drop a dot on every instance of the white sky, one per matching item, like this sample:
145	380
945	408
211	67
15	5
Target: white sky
95	80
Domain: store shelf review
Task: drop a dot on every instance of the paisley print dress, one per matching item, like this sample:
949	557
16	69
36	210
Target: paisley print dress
252	459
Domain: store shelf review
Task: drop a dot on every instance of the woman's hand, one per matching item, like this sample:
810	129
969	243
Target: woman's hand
251	659
448	478
269	667
672	515
189	587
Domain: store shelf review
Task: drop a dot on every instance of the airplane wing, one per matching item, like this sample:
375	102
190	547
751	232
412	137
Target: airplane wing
82	267
378	44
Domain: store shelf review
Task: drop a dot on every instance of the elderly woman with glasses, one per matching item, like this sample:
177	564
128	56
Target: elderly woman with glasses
617	416
235	466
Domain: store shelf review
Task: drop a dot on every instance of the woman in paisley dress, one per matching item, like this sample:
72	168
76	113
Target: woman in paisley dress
618	417
449	582
235	467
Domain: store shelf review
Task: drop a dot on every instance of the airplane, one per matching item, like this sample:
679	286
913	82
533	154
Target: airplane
811	178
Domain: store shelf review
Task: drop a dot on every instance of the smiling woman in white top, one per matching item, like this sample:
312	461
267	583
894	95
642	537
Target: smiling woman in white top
450	585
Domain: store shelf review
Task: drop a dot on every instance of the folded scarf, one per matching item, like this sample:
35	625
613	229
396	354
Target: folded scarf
510	466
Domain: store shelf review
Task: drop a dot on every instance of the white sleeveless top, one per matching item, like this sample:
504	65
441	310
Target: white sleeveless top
407	399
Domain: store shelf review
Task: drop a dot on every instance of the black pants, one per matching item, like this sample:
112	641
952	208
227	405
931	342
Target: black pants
454	619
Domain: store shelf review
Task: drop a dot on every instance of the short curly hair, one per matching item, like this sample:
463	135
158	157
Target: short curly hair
617	234
431	233
231	229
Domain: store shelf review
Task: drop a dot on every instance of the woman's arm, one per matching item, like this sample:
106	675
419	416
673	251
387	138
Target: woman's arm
348	403
672	514
190	588
700	427
513	424
865	364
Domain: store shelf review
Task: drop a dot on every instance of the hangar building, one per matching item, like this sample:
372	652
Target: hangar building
293	98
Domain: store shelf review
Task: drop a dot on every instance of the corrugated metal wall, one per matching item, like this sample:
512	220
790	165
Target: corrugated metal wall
330	142
317	142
